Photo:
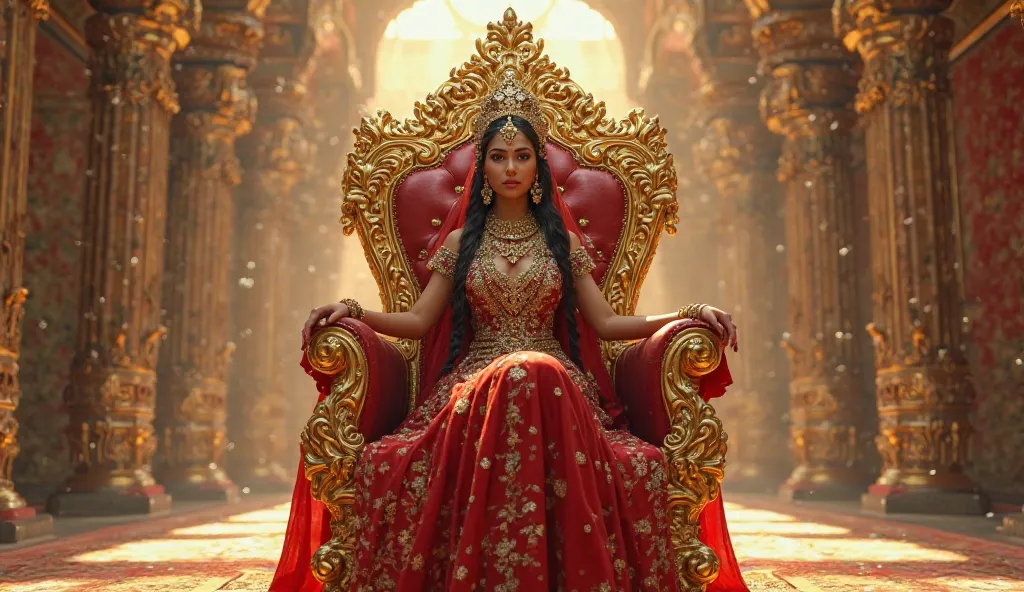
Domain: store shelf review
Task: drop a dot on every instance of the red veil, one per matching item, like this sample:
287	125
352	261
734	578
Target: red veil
309	522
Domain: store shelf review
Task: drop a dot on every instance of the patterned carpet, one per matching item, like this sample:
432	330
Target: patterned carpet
782	549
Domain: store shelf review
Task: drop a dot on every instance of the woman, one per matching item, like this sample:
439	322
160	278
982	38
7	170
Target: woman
509	475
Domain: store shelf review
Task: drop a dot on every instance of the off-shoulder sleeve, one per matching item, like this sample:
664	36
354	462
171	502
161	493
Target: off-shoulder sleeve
443	262
581	262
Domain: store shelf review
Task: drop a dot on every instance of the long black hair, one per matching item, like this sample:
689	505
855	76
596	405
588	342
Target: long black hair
551	226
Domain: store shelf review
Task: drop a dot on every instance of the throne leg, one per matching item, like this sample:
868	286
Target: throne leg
694	451
333	562
332	445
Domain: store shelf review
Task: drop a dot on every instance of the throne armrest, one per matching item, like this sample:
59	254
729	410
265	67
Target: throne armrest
363	396
666	382
351	361
683	358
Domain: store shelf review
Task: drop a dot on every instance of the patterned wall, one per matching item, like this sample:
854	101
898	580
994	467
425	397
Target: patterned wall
57	169
989	107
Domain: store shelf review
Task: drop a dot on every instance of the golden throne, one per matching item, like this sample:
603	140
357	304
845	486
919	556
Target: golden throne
400	184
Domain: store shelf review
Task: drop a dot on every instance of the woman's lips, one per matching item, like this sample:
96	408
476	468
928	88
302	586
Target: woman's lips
511	183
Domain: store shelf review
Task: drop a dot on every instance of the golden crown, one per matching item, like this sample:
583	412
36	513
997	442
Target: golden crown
508	100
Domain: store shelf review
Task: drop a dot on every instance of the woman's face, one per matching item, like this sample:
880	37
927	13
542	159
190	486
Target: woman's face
510	167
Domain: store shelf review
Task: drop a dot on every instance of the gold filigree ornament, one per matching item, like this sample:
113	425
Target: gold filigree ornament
1017	10
331	445
387	150
694	450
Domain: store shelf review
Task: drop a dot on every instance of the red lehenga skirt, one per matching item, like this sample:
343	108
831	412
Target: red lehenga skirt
508	480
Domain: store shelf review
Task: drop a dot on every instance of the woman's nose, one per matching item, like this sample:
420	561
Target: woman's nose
510	170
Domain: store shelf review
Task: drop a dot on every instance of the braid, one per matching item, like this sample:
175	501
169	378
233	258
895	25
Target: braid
557	239
469	244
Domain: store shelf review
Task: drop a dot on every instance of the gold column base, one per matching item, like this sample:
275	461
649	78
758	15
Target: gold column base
266	477
822	484
197	483
1013	525
24	524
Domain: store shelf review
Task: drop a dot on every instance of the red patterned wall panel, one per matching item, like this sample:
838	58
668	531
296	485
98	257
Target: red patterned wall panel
988	88
57	170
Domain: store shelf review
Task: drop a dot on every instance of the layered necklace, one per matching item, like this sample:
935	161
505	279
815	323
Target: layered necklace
512	239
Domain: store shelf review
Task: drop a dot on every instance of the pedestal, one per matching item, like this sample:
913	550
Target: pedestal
24	524
151	500
1013	525
885	500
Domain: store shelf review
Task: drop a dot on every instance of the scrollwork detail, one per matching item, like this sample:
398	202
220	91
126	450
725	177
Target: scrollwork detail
332	444
694	451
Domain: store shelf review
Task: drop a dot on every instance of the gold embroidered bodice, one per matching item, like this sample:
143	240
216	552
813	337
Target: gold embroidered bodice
513	312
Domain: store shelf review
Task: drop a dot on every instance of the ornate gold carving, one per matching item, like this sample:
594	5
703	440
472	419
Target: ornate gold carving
110	398
905	45
332	444
1017	10
18	40
386	150
923	389
131	51
40	9
808	100
694	450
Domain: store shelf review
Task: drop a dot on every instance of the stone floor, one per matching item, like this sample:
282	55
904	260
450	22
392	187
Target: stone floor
782	547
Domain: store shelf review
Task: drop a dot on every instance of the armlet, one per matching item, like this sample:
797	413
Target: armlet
581	262
443	262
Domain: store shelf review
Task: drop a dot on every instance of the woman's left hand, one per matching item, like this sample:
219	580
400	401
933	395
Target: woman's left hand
721	322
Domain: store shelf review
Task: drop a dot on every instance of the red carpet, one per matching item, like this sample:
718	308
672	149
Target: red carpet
782	549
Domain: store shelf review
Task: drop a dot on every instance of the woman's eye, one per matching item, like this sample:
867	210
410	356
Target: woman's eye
496	157
524	157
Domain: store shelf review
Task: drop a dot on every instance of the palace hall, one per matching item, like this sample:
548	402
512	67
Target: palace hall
263	317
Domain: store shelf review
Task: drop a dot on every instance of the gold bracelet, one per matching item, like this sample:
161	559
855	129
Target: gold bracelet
355	310
691	311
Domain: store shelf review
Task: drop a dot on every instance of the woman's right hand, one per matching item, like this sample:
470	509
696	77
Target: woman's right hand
327	314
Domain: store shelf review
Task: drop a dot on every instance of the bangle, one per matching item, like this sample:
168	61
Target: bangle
355	311
691	311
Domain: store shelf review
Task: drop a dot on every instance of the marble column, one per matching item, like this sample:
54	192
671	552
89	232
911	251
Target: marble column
112	391
276	156
738	155
808	100
18	38
217	108
923	389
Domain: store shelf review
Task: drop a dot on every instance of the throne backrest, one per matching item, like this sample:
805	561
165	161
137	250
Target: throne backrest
403	177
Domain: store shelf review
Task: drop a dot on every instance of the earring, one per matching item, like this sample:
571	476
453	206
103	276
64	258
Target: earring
537	192
487	193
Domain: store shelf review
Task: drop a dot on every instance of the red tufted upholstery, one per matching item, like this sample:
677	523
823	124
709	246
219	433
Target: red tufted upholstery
427	195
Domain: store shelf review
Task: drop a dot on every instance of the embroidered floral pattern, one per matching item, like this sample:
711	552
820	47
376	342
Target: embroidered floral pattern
443	262
506	476
581	262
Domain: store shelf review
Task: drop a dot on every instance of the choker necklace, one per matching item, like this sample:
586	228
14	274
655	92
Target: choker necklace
509	238
514	230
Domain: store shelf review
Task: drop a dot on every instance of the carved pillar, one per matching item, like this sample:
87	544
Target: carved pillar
807	99
923	389
275	156
111	395
738	156
217	107
18	38
315	236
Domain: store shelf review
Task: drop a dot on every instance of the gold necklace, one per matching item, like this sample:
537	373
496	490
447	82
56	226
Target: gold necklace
510	238
512	230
